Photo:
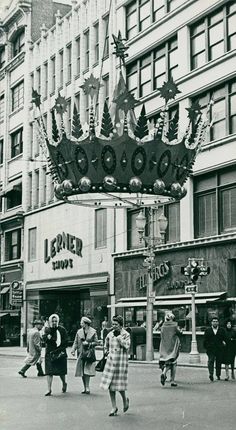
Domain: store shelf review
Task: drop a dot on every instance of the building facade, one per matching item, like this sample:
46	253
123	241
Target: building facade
195	43
77	260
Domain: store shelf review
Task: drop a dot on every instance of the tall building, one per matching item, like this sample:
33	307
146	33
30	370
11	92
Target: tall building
75	260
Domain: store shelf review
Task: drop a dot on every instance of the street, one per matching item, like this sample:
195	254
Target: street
195	404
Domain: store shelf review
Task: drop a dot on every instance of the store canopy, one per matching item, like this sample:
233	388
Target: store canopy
3	314
4	290
13	186
170	300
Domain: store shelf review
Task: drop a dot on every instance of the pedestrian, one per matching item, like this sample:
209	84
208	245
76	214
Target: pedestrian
229	350
85	341
55	338
115	374
34	348
214	342
169	348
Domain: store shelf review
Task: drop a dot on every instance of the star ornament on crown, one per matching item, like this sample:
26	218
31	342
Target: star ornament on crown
131	163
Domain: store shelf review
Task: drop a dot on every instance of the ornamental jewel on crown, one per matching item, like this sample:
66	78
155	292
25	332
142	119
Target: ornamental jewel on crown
124	156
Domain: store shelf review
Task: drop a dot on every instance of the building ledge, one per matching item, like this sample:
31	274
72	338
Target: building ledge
196	243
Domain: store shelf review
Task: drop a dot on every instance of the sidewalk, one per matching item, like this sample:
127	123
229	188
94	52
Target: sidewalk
183	360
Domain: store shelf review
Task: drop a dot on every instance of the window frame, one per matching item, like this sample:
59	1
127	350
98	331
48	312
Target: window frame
100	226
69	62
9	251
86	49
16	144
17	96
32	244
18	43
1	150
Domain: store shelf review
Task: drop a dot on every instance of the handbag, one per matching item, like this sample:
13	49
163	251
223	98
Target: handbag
88	355
101	364
57	355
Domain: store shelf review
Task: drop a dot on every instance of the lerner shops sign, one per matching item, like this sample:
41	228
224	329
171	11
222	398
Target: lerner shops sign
62	241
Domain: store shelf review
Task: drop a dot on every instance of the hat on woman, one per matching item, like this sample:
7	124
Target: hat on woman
86	320
169	316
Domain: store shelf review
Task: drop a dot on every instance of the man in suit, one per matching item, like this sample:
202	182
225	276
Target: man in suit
34	347
214	343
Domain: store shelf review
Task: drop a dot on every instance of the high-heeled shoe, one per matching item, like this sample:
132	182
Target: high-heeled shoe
113	413
64	387
48	393
127	405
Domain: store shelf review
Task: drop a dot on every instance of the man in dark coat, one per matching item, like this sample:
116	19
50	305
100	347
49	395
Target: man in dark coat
214	343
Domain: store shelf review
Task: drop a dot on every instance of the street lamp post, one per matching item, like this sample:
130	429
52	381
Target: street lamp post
148	262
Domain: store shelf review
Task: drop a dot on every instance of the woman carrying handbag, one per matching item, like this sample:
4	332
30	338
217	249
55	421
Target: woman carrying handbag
115	375
55	337
85	341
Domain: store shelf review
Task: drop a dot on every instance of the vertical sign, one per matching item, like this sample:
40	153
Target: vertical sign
16	294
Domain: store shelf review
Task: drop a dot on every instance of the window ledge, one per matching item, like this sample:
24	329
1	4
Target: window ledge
86	70
52	93
77	76
15	158
96	63
16	111
219	142
68	83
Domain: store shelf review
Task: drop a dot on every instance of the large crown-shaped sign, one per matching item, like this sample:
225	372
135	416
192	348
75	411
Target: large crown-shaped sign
125	156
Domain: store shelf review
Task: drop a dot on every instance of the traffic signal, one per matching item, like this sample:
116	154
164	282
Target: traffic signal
186	271
203	270
195	271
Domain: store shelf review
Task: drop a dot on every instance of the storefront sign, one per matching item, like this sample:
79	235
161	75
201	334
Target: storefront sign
177	285
62	241
158	272
16	294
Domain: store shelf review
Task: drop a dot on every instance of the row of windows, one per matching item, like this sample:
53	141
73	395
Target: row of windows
214	209
140	14
65	61
13	238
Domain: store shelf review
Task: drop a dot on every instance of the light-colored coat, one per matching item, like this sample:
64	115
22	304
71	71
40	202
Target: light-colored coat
92	338
115	374
170	343
34	347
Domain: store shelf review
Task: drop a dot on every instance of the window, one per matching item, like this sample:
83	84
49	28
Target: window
223	111
68	49
36	188
30	190
17	143
45	79
2	57
44	186
32	238
1	150
172	213
2	106
100	228
96	43
150	71
14	197
140	14
38	71
13	245
86	108
32	80
17	96
69	114
78	55
106	88
215	203
106	33
18	43
53	72
77	101
61	66
214	35
86	48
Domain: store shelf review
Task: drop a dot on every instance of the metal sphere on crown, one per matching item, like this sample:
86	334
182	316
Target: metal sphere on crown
59	191
135	184
159	186
67	186
85	184
175	189
109	183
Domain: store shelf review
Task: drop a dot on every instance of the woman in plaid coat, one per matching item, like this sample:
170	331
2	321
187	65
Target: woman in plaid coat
115	374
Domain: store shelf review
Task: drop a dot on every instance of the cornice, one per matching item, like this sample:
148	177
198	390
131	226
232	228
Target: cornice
197	243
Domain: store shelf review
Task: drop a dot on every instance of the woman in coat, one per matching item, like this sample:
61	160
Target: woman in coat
115	374
55	338
169	348
85	340
229	350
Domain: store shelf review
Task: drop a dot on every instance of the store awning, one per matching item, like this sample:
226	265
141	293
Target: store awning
14	186
170	300
4	290
3	314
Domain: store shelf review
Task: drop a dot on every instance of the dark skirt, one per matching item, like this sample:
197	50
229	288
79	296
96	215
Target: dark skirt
57	368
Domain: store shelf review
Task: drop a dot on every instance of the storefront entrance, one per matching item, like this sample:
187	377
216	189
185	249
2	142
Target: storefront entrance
70	305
